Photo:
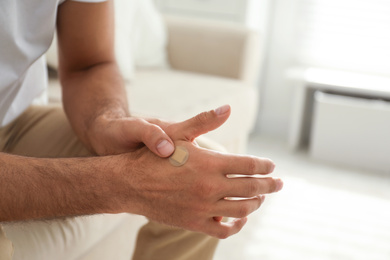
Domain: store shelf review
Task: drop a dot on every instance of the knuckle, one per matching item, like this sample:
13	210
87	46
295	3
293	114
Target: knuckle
150	131
155	121
253	187
202	118
215	162
203	189
193	225
223	234
207	164
252	165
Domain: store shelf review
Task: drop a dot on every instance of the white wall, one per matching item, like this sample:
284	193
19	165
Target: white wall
273	19
276	90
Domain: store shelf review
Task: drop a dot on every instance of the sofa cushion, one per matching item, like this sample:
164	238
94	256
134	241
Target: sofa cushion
74	238
177	95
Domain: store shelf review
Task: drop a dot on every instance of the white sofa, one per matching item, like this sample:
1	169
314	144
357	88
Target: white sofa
211	64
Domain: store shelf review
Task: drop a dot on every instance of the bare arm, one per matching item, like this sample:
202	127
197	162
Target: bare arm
33	188
94	97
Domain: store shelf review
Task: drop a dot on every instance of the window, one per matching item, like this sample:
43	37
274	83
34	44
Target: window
344	34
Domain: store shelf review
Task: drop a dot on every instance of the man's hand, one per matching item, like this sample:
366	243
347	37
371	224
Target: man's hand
127	134
191	196
93	92
194	195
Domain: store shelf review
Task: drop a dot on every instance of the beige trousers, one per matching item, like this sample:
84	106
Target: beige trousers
45	132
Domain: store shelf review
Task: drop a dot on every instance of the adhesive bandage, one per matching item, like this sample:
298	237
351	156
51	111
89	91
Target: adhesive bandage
179	156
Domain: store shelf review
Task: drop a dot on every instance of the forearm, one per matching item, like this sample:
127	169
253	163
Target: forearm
93	94
32	188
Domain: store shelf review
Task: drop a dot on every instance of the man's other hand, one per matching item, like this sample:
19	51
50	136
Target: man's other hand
121	135
195	195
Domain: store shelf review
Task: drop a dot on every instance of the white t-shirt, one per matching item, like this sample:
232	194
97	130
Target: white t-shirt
26	32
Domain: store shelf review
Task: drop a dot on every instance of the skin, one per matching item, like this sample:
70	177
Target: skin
131	174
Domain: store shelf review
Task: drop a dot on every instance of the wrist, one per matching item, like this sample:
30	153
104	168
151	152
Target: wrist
124	170
101	133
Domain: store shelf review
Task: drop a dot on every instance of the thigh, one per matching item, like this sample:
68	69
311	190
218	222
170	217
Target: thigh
158	241
41	131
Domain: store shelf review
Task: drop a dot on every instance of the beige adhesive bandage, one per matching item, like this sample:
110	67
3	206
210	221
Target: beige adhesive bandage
179	156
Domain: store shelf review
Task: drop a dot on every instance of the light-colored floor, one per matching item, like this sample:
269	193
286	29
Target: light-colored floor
324	212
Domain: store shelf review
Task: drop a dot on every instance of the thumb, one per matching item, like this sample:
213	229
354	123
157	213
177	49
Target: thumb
157	141
152	136
202	123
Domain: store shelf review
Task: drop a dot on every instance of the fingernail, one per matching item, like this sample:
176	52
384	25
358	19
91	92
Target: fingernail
222	110
165	148
279	185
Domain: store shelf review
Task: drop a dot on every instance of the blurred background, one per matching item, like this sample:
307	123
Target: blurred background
323	116
309	86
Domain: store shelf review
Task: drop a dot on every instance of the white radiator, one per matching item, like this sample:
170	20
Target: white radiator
351	131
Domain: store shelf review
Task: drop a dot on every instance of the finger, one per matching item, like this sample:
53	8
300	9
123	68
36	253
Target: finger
200	124
157	140
218	218
161	123
243	164
224	230
250	187
152	136
239	208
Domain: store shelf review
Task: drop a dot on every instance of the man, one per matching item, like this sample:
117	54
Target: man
48	168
